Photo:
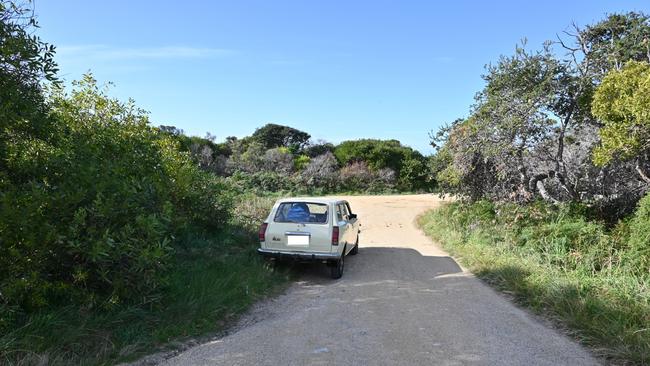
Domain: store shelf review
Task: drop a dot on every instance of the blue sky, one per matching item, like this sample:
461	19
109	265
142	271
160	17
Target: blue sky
337	69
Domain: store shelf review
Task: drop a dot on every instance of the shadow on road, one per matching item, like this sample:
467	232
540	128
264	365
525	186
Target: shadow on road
393	306
380	264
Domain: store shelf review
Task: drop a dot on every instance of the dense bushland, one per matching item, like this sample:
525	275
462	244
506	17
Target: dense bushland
567	123
550	169
117	236
585	275
211	279
91	212
281	158
112	239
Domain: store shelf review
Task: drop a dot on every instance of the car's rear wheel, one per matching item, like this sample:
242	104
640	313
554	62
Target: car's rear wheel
336	271
355	250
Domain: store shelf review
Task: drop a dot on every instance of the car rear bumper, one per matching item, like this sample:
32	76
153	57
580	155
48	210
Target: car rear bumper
303	256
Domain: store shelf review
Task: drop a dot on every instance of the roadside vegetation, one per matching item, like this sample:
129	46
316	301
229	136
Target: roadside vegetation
586	277
113	241
118	237
278	158
551	174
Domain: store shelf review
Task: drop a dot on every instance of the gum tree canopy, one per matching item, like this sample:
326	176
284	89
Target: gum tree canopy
272	136
534	126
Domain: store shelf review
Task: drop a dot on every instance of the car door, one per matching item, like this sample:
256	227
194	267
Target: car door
348	236
342	224
354	222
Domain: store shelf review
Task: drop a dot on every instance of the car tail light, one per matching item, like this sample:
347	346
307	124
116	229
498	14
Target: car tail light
335	235
262	233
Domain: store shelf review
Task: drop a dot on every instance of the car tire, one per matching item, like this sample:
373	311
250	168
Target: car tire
336	271
355	250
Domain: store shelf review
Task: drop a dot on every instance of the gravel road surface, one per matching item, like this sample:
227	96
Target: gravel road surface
402	301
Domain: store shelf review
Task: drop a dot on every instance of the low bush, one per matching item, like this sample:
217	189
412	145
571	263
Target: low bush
583	273
211	280
261	182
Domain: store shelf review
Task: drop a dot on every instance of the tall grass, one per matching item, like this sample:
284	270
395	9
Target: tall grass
554	261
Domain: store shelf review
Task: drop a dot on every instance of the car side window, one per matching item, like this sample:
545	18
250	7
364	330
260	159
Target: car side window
347	205
344	212
339	214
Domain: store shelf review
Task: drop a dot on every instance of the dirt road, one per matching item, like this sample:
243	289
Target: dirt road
401	301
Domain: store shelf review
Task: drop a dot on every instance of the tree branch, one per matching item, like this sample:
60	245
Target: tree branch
639	170
544	193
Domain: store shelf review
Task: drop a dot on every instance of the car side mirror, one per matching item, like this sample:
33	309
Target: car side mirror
352	216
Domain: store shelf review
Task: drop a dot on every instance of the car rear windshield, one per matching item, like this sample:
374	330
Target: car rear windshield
301	212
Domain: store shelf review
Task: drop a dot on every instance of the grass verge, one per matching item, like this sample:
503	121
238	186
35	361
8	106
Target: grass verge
214	279
558	264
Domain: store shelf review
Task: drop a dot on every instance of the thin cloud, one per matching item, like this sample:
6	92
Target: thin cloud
103	52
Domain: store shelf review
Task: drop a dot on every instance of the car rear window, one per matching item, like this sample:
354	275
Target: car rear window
301	212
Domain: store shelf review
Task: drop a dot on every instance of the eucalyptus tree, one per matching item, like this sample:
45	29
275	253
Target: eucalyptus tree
531	131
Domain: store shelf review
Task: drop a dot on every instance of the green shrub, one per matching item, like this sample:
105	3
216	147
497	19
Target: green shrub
409	165
251	210
263	181
553	259
301	161
638	243
89	215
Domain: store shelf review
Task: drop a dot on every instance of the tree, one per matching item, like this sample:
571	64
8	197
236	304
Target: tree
318	148
25	62
622	103
460	166
516	124
246	157
171	130
610	43
321	172
408	164
532	131
278	160
272	135
356	176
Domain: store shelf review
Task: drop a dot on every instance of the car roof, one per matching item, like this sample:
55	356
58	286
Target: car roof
326	200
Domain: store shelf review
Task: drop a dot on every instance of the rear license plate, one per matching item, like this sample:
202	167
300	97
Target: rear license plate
297	240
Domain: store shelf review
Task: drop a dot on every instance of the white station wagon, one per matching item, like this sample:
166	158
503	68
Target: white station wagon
311	229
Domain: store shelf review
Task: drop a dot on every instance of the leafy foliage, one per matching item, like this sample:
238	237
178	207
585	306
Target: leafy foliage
616	40
377	165
93	212
622	103
546	222
321	172
638	243
534	126
555	260
24	61
409	165
319	148
272	135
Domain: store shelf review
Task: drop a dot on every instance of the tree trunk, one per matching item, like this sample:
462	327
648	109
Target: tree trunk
544	193
560	167
639	170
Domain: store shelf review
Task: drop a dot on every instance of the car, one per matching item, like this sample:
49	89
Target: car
311	229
